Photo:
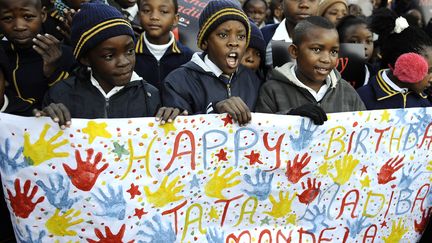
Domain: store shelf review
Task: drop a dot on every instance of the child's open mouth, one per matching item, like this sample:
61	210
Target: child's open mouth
322	71
232	60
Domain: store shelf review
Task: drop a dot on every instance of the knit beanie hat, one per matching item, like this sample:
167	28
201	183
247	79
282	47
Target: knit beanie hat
95	23
217	12
410	68
325	4
257	39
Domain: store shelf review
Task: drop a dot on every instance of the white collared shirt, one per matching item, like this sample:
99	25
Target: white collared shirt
114	90
213	67
317	95
281	34
133	11
393	85
158	50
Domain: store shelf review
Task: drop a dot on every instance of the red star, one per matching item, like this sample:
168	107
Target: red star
139	212
133	191
383	224
253	158
227	120
363	169
222	155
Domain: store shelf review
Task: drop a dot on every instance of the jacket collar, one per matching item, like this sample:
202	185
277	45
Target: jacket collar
141	47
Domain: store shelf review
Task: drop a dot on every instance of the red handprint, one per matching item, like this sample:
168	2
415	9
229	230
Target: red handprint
419	227
21	203
294	171
110	237
85	175
311	192
390	167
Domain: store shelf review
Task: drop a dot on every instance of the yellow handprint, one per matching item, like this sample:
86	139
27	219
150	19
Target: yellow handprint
218	183
165	194
344	169
43	150
429	166
397	232
281	208
59	224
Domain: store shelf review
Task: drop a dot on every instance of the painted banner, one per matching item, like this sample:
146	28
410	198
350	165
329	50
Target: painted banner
360	177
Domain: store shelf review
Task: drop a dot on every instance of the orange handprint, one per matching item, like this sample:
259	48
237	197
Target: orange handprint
21	203
110	237
294	170
391	166
311	192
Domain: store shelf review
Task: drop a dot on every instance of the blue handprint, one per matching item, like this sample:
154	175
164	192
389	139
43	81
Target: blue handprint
357	226
10	165
316	218
423	120
160	233
261	189
28	238
58	194
213	236
401	113
407	179
305	136
113	206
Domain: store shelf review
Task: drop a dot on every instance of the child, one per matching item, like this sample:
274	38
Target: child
158	53
106	86
256	10
294	11
255	53
214	81
37	60
310	86
333	10
276	12
129	9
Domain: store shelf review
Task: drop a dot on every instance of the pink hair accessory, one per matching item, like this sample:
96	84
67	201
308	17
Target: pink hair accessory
410	68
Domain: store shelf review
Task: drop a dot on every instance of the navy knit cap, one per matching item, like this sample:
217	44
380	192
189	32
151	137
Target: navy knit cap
257	39
217	12
95	23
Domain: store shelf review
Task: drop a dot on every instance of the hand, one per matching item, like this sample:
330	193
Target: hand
59	113
59	224
306	135
58	195
397	232
261	189
213	236
65	28
314	112
344	169
311	192
8	164
281	208
391	166
294	170
21	203
316	218
421	226
50	49
85	175
43	150
158	234
236	108
168	114
110	237
28	238
165	194
357	226
407	179
114	206
218	183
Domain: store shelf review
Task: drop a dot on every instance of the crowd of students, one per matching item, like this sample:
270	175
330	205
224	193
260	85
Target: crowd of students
95	59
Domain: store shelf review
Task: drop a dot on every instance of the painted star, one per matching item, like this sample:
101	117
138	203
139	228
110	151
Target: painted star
213	213
227	120
119	150
363	169
194	182
222	155
265	220
168	127
253	158
385	116
365	182
134	191
383	224
139	212
95	129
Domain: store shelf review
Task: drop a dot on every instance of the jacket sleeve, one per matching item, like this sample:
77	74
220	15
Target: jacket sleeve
265	102
358	104
173	96
153	98
65	66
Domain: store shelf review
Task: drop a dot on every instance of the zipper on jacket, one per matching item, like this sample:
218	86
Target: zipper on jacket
228	85
159	75
106	107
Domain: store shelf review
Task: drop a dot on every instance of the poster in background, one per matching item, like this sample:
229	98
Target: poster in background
189	11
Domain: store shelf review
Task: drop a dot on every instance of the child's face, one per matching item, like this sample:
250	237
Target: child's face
226	45
21	21
157	18
251	59
316	55
335	12
362	35
126	3
256	10
75	4
296	10
112	61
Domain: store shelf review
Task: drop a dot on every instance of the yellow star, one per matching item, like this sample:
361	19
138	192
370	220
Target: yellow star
213	213
323	169
168	127
385	116
365	182
94	130
292	219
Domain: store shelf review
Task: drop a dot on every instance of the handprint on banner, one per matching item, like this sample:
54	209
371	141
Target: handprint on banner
344	169
165	194
407	179
356	226
85	175
28	238
261	189
397	232
311	192
218	183
391	166
109	236
58	194
294	170
8	164
158	234
213	236
59	224
113	206
43	150
281	208
401	113
306	135
316	218
21	203
419	227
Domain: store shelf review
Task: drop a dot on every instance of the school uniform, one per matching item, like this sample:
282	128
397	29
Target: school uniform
274	32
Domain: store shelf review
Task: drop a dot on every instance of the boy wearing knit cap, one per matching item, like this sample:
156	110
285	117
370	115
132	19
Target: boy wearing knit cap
105	86
333	10
214	81
255	53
